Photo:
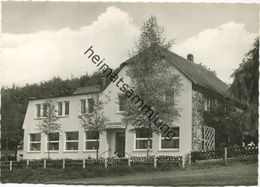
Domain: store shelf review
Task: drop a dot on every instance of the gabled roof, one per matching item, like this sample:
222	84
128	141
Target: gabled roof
198	75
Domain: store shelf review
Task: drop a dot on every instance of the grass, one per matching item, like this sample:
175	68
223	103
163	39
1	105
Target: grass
235	173
217	173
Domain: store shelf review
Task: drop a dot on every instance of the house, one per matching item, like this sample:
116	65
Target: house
200	90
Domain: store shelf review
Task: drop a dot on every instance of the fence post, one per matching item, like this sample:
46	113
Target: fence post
154	162
63	163
129	161
225	155
105	162
183	161
190	159
84	161
44	163
11	165
27	163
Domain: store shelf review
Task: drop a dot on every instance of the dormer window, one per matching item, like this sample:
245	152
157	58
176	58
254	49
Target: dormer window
122	102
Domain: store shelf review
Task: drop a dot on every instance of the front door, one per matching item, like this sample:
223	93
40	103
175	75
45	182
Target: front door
120	144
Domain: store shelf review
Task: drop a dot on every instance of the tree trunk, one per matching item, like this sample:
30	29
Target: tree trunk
6	145
97	148
48	147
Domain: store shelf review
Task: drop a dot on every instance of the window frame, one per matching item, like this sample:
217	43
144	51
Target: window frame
91	107
136	139
120	96
163	138
60	108
44	109
68	141
56	141
38	110
66	104
83	106
34	142
90	140
169	96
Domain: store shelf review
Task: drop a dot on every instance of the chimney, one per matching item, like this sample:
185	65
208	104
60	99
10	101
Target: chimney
190	57
102	83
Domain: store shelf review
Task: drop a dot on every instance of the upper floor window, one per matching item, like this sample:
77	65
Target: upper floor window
53	141
91	103
122	102
67	107
35	142
207	103
169	96
92	140
72	140
60	108
141	139
173	143
38	110
83	106
45	110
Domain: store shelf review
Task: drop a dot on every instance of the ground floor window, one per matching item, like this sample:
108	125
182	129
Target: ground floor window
91	140
35	142
141	139
72	140
53	141
173	143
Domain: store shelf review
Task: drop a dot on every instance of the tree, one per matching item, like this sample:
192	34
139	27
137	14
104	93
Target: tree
11	123
94	120
153	80
50	123
245	88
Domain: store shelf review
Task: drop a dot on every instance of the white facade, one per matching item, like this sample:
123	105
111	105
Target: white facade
115	137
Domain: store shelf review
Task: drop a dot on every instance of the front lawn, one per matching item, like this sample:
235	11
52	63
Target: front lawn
235	173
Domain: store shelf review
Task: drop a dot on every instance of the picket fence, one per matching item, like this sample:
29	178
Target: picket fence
224	153
161	161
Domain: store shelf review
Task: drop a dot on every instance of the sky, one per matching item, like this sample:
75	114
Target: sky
41	40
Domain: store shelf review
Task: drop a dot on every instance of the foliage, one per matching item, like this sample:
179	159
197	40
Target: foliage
152	79
152	34
228	131
245	88
95	120
12	114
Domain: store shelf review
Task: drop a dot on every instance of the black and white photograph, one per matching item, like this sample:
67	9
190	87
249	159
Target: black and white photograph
137	93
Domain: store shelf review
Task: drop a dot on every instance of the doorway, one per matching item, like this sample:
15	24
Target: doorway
120	144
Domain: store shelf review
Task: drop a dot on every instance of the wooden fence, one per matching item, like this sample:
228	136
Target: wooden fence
161	161
225	153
